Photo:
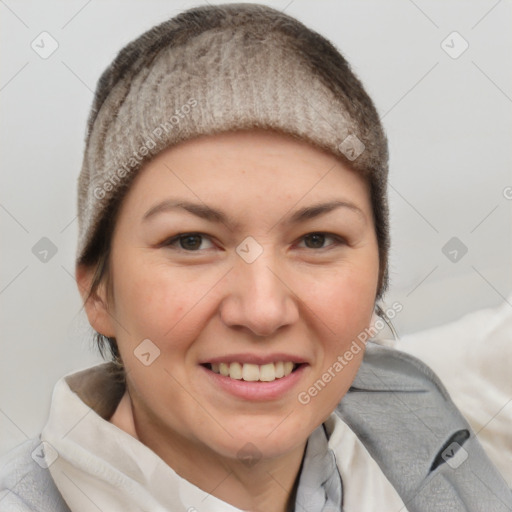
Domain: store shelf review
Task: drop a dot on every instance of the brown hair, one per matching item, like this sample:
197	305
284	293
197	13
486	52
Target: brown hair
98	257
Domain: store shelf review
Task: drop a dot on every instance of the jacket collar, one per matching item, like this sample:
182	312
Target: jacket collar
403	414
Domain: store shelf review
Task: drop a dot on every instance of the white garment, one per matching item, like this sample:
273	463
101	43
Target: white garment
100	465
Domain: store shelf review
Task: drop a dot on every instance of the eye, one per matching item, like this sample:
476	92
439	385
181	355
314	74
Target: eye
317	240
189	242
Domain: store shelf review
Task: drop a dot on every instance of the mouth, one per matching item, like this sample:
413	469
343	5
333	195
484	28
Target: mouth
250	372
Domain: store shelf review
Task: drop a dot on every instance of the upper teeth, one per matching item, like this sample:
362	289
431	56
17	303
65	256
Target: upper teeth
253	372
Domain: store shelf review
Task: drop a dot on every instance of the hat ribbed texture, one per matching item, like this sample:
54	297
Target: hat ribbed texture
220	68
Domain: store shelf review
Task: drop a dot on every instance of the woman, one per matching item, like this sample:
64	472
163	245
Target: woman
233	246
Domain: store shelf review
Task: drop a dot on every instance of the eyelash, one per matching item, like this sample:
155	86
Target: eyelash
176	239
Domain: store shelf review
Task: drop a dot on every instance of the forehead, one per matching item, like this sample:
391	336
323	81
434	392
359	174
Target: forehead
247	169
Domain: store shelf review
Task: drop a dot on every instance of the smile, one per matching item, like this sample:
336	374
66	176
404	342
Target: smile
253	372
256	378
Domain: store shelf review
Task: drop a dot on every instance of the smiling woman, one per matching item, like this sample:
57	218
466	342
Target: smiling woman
231	268
225	327
248	339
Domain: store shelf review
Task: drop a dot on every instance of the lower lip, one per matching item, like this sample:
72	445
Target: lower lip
258	391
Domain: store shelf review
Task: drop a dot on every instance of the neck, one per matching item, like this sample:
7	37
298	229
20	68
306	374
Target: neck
269	485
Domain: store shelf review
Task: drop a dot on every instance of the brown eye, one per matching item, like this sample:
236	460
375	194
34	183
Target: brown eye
321	241
190	242
314	240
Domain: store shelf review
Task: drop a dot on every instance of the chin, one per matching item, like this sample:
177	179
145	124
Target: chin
261	438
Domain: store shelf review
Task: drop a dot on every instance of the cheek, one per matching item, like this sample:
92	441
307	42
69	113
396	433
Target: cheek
350	308
156	302
343	300
343	308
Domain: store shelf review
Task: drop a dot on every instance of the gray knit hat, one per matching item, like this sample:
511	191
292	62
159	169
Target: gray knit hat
219	68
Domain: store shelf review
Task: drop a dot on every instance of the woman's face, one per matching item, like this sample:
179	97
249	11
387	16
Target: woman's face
249	254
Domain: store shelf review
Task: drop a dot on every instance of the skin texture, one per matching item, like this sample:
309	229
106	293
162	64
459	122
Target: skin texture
299	298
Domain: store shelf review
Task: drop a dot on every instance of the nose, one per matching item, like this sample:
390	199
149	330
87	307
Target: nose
259	298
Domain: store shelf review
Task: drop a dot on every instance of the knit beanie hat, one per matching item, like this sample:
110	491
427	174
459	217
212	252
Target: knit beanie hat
220	68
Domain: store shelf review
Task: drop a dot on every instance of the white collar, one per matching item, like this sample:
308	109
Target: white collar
101	464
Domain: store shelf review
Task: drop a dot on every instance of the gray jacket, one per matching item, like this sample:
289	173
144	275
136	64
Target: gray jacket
400	411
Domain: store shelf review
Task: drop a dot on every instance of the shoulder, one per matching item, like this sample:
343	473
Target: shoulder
26	483
386	368
401	411
396	398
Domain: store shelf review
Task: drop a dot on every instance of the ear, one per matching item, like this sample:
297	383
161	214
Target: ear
95	305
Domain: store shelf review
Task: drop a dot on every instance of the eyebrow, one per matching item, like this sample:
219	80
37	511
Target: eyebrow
214	215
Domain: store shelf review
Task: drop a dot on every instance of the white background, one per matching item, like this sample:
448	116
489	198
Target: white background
448	122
